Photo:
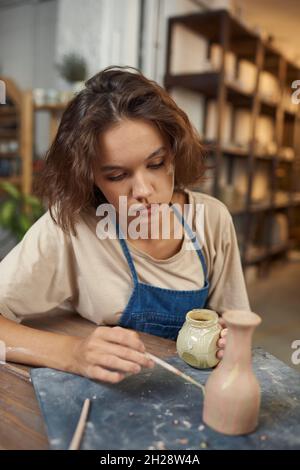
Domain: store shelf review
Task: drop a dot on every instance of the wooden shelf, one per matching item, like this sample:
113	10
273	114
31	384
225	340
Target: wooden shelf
237	96
16	114
255	208
11	179
55	108
285	160
219	27
244	153
290	115
268	107
271	59
9	122
250	260
9	154
8	111
264	157
207	83
266	255
295	200
9	134
237	211
20	112
242	39
258	208
235	152
292	73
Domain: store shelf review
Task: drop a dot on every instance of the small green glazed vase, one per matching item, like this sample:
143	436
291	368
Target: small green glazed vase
197	340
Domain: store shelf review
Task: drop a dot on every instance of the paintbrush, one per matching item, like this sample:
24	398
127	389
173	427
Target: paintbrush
173	369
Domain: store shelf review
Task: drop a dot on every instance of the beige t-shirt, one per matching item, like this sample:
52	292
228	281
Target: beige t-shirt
50	269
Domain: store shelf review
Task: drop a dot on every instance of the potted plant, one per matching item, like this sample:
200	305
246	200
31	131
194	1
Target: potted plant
18	212
73	69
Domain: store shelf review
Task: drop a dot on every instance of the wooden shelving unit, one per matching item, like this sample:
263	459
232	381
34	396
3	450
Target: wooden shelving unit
220	28
17	123
13	131
54	110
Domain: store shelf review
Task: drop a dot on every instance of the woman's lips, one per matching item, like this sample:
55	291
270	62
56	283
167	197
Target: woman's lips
148	210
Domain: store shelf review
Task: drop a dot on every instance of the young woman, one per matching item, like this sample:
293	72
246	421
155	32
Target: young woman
122	141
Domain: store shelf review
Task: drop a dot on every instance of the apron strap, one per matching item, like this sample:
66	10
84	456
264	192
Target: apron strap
193	238
127	254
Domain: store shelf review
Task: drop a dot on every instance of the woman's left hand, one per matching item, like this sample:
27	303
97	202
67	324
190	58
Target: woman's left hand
221	343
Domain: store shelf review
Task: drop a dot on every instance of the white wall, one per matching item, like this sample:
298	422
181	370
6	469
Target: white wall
34	37
16	42
105	32
27	44
27	52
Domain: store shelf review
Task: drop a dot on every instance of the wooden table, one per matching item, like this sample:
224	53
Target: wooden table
22	425
21	422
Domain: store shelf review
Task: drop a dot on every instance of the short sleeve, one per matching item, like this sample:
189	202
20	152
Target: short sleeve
227	285
37	275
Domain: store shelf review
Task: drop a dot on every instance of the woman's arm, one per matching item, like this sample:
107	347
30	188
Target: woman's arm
107	354
227	285
36	276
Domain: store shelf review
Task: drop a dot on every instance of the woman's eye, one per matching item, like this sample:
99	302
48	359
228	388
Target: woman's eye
154	166
116	178
157	165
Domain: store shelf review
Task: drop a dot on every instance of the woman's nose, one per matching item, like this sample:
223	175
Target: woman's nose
141	188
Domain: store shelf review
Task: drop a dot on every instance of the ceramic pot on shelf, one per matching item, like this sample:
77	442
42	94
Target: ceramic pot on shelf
232	392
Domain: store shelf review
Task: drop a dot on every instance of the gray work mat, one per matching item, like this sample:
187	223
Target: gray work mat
158	410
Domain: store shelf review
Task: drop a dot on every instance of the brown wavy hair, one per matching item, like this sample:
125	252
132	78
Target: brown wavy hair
66	182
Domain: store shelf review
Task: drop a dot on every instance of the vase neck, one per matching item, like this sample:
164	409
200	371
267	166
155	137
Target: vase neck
239	344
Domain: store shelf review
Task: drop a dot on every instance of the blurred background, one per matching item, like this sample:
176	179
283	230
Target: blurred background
232	65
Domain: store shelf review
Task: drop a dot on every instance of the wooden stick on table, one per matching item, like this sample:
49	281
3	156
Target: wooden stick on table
75	442
17	370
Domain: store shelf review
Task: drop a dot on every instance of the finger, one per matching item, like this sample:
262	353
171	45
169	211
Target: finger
222	322
122	336
221	343
98	373
224	332
115	363
124	353
220	354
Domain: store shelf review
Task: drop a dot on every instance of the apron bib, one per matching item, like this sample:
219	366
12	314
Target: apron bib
159	311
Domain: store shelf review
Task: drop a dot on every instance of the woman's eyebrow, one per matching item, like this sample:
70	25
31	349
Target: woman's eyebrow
117	167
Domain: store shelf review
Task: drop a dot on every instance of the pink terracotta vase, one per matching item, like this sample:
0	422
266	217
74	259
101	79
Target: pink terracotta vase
232	392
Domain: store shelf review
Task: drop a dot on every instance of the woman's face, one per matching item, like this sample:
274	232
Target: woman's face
134	161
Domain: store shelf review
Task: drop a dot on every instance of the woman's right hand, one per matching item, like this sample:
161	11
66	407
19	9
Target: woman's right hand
108	354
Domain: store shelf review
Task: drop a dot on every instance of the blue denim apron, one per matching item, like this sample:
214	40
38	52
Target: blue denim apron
159	311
